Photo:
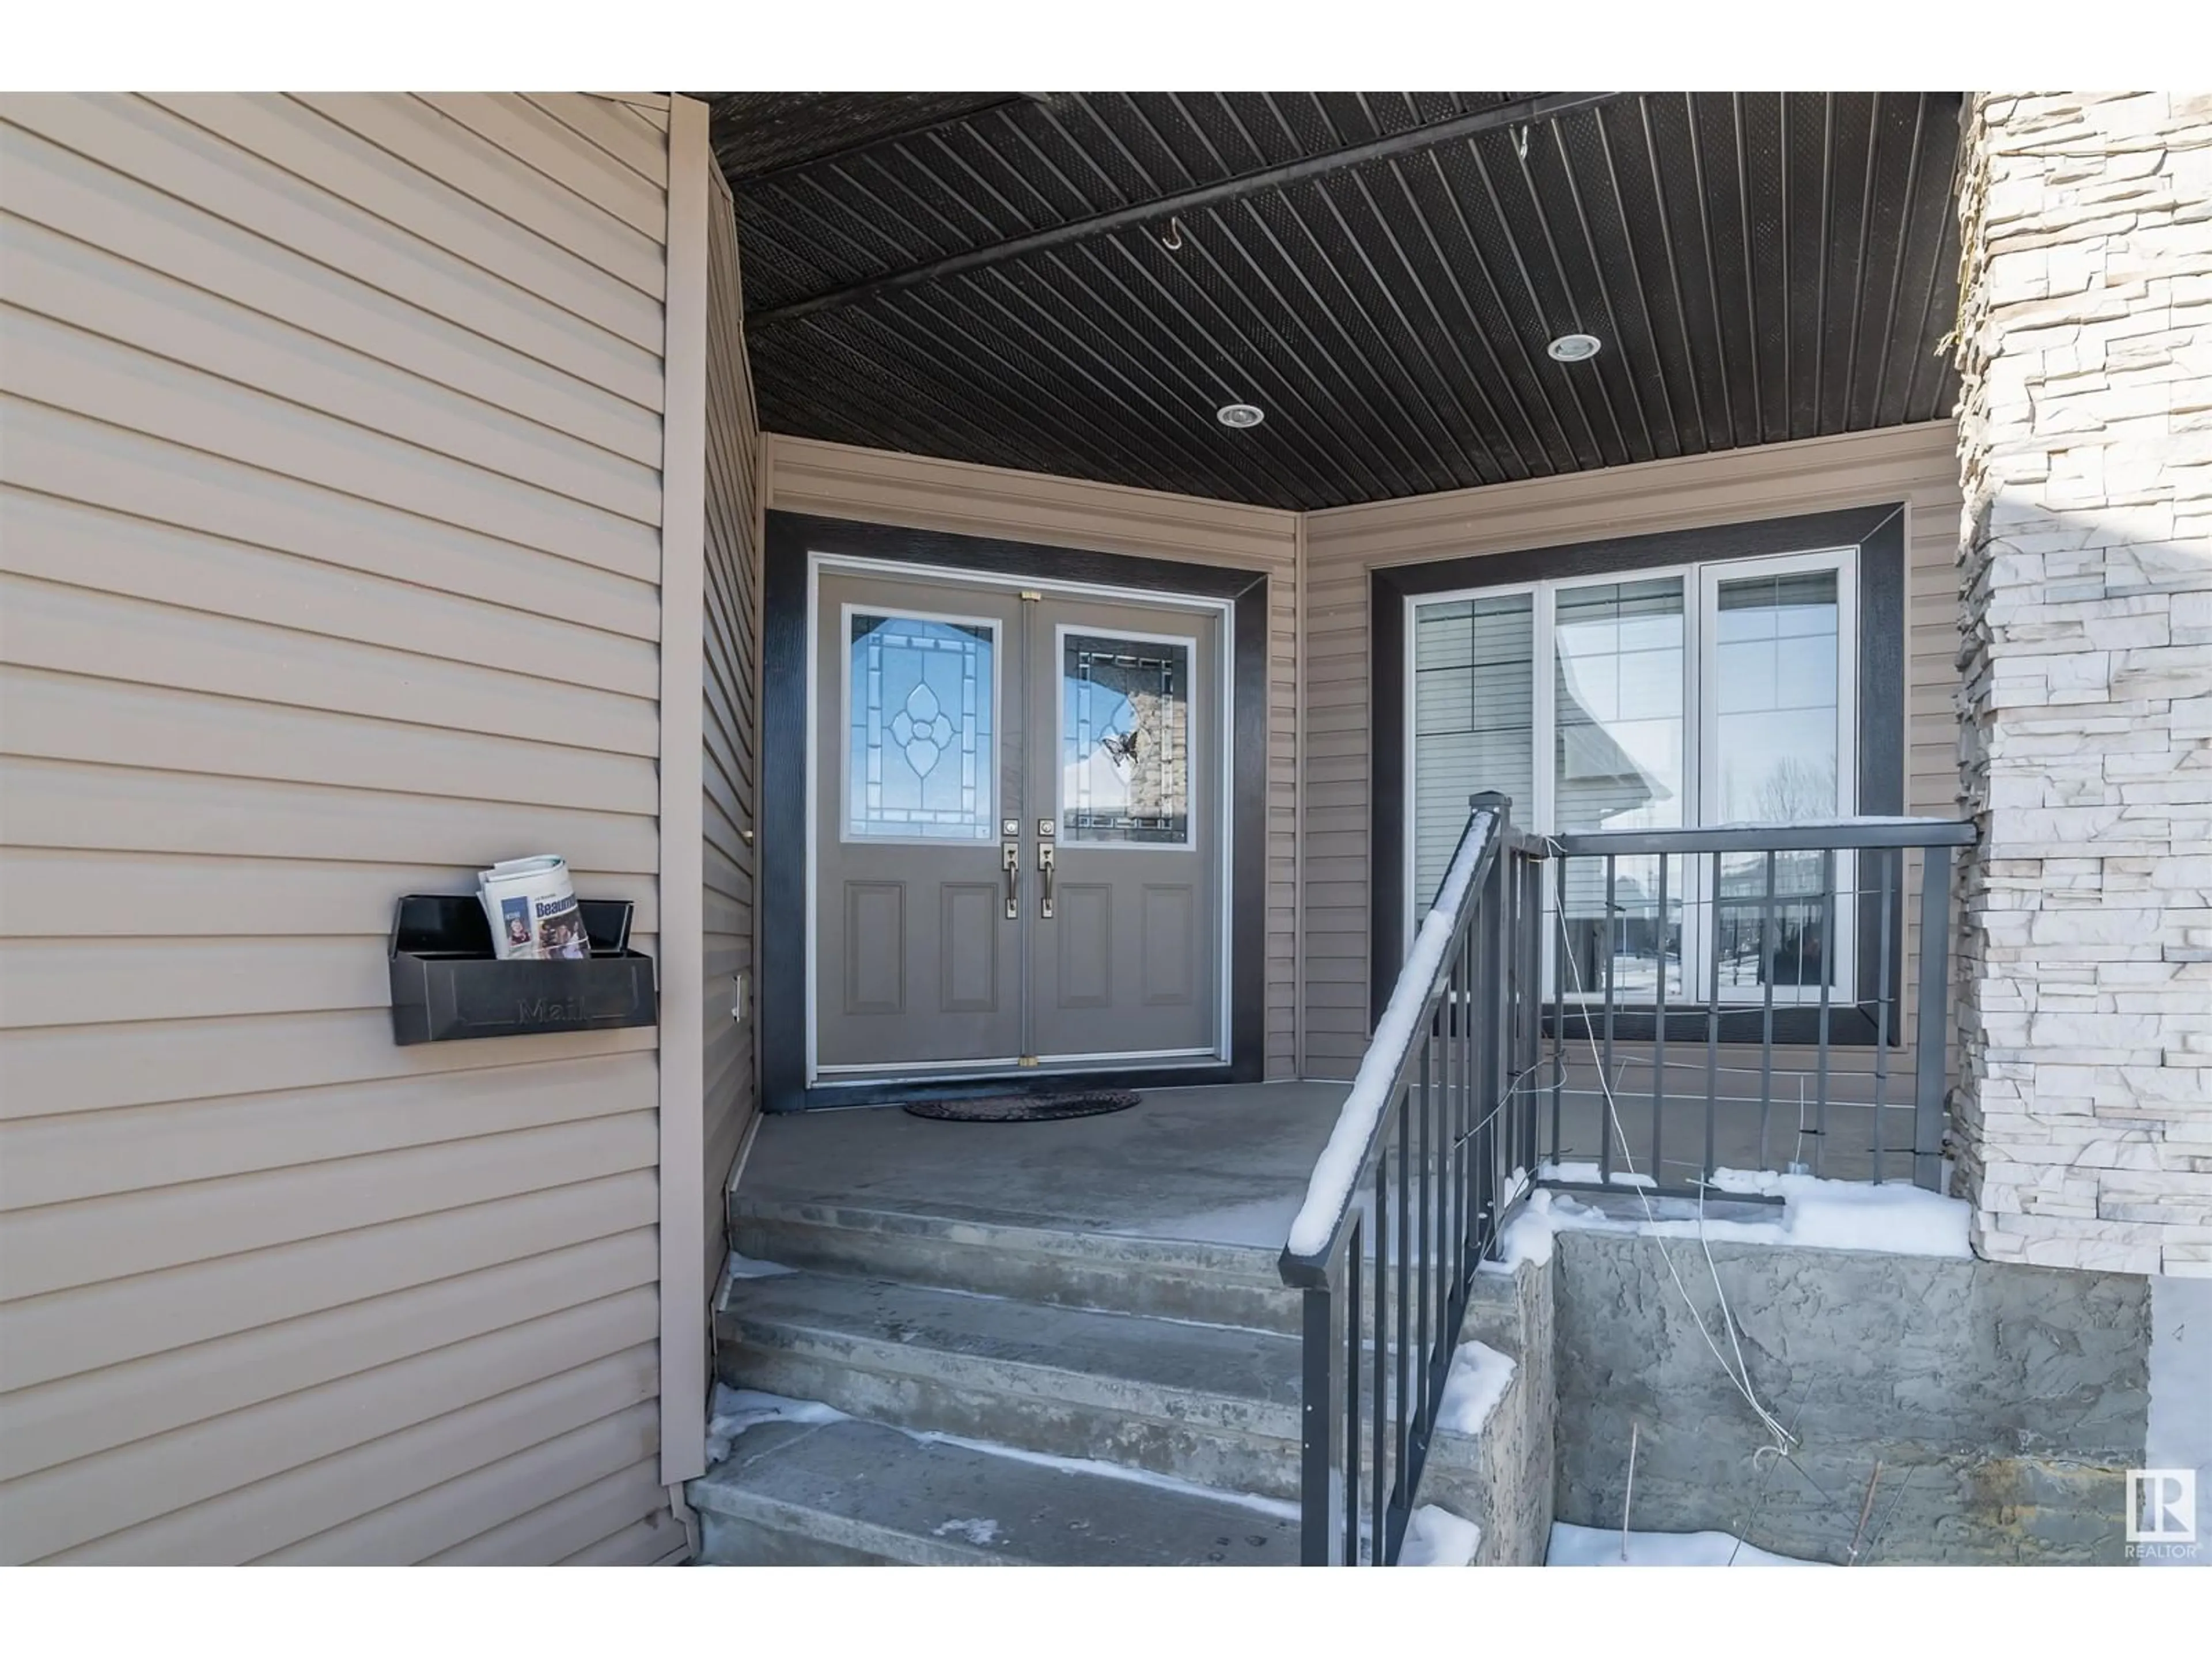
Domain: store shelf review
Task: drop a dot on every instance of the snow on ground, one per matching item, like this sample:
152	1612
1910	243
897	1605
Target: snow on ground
1479	1378
1590	1172
1831	1215
732	1411
1437	1538
1601	1546
1280	1508
1857	1215
977	1532
744	1267
1527	1238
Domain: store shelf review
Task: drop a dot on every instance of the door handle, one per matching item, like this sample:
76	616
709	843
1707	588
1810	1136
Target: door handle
1010	860
1044	865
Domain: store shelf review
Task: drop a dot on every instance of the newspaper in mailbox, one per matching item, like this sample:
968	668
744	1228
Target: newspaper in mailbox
532	910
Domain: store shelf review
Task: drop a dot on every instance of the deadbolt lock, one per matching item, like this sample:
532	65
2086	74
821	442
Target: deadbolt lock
1044	829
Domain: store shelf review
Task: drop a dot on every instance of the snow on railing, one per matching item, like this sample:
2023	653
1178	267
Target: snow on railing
1328	1193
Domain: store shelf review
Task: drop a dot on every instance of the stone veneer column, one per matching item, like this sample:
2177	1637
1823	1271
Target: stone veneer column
2085	442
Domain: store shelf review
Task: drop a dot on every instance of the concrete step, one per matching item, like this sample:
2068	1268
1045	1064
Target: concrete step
1169	1278
1173	1278
852	1493
1216	1406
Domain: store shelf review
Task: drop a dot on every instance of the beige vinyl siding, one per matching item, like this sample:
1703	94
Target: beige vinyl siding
329	561
1913	465
731	718
840	481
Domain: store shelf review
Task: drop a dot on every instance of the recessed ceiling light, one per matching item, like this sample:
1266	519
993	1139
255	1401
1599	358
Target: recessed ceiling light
1240	415
1576	347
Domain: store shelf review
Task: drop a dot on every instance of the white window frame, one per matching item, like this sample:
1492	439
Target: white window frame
1701	580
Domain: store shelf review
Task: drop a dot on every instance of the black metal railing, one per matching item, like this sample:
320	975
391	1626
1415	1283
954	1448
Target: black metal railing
1533	1029
1705	982
1435	1147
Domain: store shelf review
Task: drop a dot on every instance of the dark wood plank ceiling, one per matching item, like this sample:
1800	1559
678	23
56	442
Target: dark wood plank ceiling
1760	266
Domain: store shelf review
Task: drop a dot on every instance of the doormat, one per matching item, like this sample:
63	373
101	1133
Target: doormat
1026	1109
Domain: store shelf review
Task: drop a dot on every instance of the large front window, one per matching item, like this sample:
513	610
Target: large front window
1703	694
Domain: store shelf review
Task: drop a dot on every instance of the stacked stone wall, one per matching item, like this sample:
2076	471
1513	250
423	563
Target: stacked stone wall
2085	431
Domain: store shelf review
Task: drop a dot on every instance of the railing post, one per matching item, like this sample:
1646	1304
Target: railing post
1488	997
1320	1476
1932	1031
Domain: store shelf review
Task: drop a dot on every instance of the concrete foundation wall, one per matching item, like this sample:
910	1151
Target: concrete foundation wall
2003	1402
1515	1475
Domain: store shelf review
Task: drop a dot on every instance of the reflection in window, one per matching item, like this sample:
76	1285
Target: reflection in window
919	752
1474	710
1124	740
1774	670
1617	765
1656	714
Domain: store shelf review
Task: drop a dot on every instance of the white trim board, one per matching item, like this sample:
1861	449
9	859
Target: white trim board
683	1292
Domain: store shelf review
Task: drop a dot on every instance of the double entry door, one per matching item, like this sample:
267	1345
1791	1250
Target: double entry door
1017	829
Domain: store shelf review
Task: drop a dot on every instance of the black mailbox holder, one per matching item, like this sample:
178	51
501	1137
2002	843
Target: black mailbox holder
447	986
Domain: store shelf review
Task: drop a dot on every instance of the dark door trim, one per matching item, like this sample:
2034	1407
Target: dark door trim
792	538
1878	533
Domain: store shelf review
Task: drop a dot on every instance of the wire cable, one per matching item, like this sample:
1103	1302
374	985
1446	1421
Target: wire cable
1740	1375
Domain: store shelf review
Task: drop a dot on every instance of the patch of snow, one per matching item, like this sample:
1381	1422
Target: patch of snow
1437	1538
1279	1508
1857	1215
976	1532
744	1267
2180	1435
732	1411
1527	1238
1588	1173
1600	1547
1338	1169
1479	1378
1816	1213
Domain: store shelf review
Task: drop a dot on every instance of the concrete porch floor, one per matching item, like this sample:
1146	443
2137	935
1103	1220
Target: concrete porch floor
1223	1164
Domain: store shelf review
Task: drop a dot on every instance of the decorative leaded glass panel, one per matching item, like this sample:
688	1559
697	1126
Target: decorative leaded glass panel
1124	740
921	760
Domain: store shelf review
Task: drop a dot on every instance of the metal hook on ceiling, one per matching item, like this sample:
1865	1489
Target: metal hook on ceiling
1520	142
1173	241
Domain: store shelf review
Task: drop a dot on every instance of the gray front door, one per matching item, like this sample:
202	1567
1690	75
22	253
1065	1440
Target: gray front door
1018	829
1126	951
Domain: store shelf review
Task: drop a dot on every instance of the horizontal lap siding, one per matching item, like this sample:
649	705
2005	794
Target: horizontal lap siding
1915	465
330	569
839	482
731	724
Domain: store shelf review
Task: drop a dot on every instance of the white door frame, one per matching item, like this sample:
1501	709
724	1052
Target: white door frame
1224	692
